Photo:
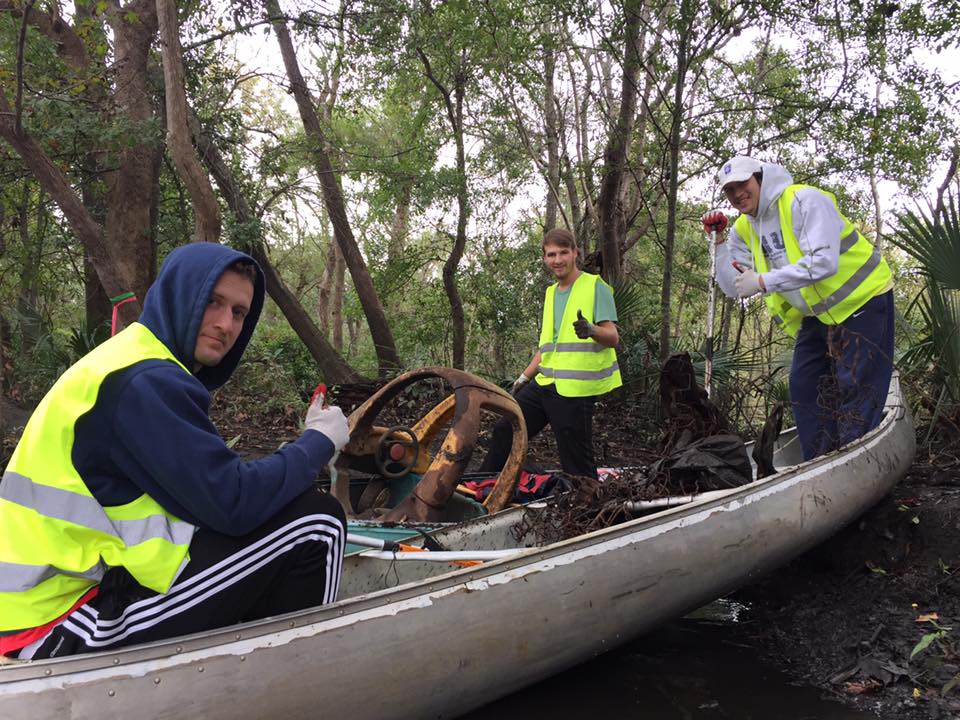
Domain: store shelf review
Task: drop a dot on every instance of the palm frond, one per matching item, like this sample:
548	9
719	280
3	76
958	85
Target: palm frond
944	322
628	296
728	364
933	242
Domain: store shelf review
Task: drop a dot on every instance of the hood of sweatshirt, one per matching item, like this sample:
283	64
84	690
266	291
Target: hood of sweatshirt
174	306
776	179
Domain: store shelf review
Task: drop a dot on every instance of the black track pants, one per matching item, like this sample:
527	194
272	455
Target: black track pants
292	562
570	418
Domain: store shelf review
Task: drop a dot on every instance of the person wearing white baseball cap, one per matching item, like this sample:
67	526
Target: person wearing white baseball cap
824	283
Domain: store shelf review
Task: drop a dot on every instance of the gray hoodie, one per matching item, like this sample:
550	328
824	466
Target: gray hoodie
816	224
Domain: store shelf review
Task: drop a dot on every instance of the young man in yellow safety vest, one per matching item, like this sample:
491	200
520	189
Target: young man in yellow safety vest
824	283
575	362
125	518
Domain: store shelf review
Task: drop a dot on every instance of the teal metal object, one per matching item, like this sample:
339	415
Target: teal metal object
461	508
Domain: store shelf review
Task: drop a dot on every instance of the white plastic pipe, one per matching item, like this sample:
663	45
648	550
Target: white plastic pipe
673	500
443	555
711	302
370	542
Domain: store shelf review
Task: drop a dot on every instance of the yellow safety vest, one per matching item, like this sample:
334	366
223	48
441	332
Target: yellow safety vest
579	368
861	274
56	540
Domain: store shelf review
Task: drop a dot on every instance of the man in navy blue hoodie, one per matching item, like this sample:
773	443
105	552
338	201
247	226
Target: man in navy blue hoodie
230	540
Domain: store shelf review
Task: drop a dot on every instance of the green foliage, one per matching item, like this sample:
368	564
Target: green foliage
277	371
504	289
53	353
933	244
808	98
929	638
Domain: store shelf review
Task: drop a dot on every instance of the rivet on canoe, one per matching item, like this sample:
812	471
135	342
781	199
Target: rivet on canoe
179	649
292	624
156	681
48	671
340	612
111	693
116	661
243	658
237	636
200	669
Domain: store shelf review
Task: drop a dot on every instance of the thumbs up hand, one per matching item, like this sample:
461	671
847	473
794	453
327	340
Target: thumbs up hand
583	327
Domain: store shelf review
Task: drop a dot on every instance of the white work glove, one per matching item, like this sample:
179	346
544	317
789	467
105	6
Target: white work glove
747	283
519	383
328	420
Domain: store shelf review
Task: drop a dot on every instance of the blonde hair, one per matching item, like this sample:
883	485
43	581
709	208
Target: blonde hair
560	237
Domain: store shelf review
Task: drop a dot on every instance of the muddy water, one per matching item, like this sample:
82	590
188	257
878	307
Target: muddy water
704	667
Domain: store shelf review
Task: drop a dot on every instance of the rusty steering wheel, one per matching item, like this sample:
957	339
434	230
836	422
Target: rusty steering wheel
440	472
397	452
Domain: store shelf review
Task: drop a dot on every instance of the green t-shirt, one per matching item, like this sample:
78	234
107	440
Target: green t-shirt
603	306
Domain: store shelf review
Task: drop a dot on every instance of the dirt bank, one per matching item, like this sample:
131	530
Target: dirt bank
847	616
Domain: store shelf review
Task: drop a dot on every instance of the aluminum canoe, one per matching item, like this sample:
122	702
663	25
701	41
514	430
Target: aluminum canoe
432	640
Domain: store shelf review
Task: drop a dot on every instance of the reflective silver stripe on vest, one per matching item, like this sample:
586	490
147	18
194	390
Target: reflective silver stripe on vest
87	512
572	347
849	241
580	374
844	291
15	577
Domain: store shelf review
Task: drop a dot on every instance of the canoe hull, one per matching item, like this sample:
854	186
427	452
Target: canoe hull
465	638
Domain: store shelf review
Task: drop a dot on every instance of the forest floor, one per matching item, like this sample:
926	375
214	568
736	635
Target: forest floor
845	617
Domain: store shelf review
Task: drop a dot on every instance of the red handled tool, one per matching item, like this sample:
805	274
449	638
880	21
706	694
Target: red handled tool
321	392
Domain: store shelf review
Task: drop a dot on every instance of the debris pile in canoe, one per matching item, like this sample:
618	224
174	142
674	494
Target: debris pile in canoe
697	455
716	462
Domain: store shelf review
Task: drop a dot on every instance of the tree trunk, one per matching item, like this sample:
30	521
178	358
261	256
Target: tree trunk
452	264
132	187
552	140
336	302
334	368
6	358
325	291
87	230
384	344
28	293
97	306
582	102
948	177
646	110
206	212
330	304
93	188
676	122
610	204
400	227
573	197
726	316
121	250
454	108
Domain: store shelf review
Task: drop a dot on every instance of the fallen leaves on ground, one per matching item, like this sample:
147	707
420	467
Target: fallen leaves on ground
860	687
